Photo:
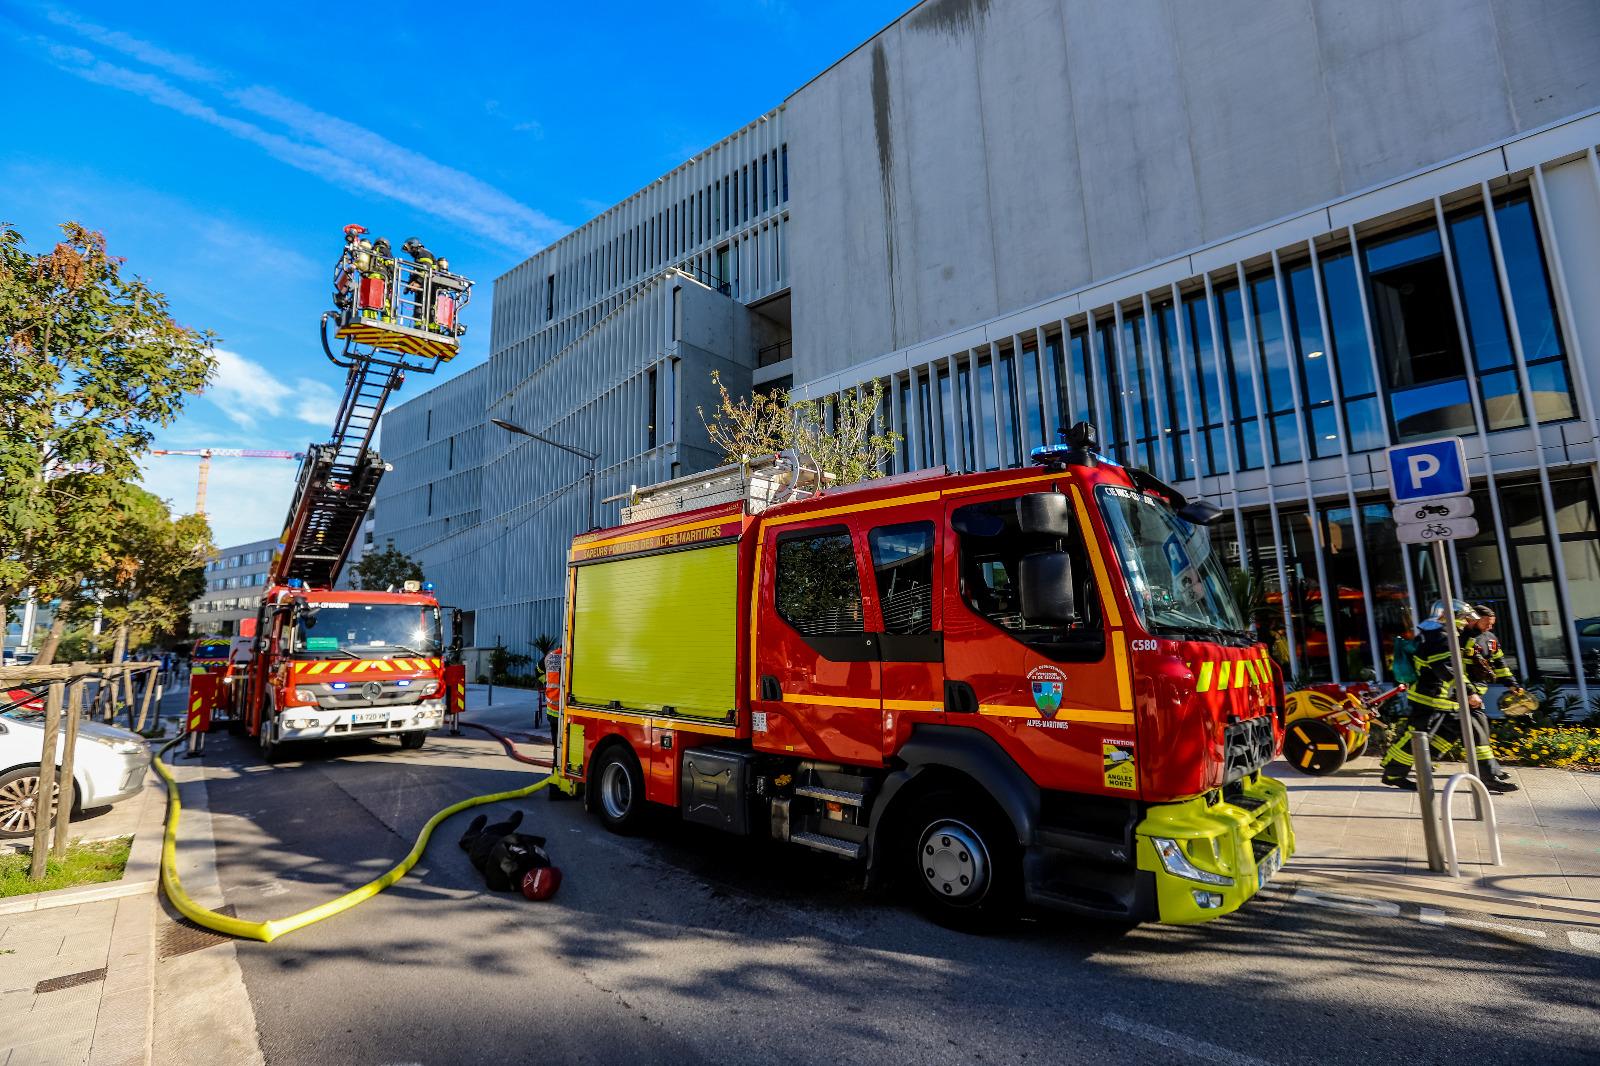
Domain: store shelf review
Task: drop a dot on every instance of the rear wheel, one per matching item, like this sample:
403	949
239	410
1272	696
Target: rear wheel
964	861
619	790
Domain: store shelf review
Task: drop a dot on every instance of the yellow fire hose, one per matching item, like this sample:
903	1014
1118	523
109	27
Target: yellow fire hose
269	931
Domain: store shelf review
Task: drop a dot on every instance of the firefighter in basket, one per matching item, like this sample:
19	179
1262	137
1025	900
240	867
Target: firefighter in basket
1434	703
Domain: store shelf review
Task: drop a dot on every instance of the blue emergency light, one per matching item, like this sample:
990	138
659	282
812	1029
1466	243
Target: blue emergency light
427	586
295	583
340	684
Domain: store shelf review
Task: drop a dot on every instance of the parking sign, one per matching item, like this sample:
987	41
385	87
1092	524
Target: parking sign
1427	470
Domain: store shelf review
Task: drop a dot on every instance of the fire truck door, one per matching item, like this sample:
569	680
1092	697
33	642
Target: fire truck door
815	687
906	566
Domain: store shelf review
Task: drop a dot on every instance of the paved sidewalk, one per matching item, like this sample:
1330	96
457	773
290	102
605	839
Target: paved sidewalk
1351	828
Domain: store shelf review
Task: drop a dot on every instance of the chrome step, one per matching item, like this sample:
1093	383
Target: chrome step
846	848
831	795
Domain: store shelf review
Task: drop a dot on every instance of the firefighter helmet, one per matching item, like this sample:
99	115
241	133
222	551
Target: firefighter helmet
1462	610
1518	703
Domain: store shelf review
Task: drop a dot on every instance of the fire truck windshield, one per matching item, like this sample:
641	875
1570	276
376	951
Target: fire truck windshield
1176	581
366	630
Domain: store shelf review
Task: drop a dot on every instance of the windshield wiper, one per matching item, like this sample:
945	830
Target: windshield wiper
407	648
330	651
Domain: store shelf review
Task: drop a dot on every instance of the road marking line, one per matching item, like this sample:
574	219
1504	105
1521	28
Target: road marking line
1352	904
1584	941
1434	916
1200	1049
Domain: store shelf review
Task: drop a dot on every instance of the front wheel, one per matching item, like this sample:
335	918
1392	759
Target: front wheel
271	750
619	790
19	802
413	741
964	861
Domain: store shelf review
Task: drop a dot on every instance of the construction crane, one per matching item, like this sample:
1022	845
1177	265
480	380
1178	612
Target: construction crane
205	455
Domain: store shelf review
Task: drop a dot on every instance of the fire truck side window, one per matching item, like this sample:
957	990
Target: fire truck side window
991	549
818	591
902	560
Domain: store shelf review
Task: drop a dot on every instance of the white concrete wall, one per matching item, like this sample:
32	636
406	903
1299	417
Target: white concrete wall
982	155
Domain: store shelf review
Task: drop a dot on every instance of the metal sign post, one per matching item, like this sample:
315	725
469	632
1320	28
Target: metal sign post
1429	482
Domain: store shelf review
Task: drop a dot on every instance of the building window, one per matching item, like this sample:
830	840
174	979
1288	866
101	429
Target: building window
947	421
1309	354
1414	321
430	498
1032	408
653	399
991	445
1352	358
1180	451
1276	373
1010	429
1487	329
964	387
783	165
924	424
1107	378
1144	396
1241	389
1081	381
450	455
549	297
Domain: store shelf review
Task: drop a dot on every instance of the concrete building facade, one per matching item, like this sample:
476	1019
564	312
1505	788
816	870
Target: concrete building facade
1254	246
235	581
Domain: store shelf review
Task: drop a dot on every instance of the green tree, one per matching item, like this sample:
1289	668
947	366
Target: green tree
91	363
389	568
841	434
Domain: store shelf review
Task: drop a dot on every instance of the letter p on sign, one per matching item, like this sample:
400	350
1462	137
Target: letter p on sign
1422	467
1428	470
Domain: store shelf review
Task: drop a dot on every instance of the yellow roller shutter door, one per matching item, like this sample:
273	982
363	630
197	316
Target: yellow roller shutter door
657	632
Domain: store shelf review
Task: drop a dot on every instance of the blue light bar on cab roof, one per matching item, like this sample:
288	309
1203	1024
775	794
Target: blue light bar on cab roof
427	586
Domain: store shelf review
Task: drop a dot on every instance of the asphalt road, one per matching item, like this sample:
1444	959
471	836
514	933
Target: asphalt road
684	945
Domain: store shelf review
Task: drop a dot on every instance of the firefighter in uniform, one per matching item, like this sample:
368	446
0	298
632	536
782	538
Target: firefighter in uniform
1434	705
416	286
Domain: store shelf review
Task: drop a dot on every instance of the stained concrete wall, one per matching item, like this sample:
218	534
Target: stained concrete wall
979	156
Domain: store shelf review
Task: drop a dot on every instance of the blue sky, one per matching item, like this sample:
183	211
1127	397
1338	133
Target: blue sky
222	147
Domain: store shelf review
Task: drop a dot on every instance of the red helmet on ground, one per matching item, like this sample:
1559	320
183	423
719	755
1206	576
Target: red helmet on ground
541	883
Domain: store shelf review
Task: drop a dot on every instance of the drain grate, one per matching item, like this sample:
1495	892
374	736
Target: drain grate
71	980
183	936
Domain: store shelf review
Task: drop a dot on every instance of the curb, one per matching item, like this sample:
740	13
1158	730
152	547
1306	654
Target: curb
140	876
1406	888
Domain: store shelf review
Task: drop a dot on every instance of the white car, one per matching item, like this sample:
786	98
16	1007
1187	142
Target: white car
108	766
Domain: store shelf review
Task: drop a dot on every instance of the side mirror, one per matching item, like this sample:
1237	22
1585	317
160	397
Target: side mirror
262	644
1044	582
1048	513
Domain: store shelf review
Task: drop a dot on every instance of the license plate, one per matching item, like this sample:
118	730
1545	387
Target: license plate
1267	867
367	717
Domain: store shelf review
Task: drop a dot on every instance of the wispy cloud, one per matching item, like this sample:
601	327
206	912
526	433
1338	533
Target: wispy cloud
248	392
332	148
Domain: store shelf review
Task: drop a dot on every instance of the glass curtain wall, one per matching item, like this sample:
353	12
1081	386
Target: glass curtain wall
1181	450
1352	355
1310	356
1241	388
1283	423
1209	411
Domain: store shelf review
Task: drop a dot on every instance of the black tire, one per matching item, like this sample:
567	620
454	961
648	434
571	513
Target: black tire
271	750
1313	747
962	861
413	741
619	790
19	794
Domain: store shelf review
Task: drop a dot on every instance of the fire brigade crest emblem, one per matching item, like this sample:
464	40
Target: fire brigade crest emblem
1048	685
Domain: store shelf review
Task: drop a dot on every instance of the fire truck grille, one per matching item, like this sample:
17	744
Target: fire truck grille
1247	747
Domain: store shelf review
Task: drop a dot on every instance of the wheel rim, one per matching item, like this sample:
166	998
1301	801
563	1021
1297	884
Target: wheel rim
954	862
616	791
19	804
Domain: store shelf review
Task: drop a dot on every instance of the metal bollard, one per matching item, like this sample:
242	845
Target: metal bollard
1485	809
1422	765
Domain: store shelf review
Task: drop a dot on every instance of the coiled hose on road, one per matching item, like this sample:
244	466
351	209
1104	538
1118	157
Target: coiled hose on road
268	931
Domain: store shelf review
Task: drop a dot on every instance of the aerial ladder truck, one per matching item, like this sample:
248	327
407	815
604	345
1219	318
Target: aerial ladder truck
331	663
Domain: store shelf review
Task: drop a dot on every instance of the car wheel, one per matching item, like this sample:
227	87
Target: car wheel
964	861
619	790
413	741
19	802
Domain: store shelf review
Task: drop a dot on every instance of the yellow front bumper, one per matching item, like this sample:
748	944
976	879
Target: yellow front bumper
1229	848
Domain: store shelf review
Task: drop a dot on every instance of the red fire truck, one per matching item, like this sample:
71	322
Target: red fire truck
1030	685
329	663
